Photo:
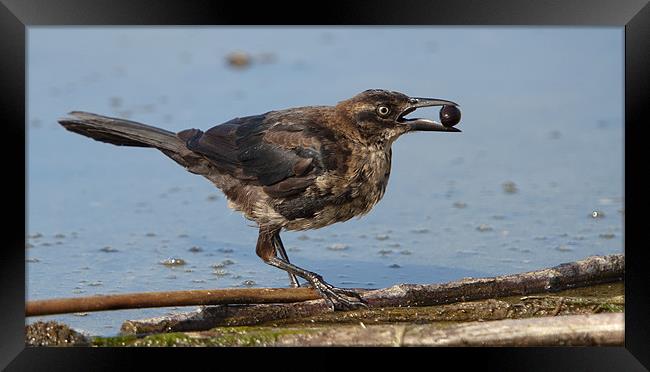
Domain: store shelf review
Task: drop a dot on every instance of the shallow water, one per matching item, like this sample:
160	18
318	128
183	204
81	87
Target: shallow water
535	178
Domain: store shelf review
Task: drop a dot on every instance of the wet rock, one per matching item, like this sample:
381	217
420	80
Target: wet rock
53	334
395	266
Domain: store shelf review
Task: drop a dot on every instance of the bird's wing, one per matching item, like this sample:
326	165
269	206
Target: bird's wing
284	158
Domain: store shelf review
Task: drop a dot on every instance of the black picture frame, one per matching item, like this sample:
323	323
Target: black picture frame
17	15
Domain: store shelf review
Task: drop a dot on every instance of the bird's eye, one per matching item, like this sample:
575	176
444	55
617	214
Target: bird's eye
383	110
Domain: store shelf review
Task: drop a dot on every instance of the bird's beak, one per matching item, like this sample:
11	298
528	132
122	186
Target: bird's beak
421	124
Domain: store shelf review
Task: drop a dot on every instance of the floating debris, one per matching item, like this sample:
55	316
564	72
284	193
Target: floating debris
394	266
195	249
115	102
172	261
483	227
150	234
108	249
385	252
248	283
80	314
607	236
223	264
405	252
338	247
460	205
509	187
95	283
556	134
32	260
238	59
35	236
597	214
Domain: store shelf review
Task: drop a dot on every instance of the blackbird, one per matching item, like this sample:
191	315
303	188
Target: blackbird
294	169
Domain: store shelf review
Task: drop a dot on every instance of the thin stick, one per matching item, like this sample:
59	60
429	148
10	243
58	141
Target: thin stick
173	298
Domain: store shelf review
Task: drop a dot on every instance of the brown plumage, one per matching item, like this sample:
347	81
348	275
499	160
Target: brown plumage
294	169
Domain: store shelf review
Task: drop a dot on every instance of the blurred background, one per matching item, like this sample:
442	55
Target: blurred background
534	180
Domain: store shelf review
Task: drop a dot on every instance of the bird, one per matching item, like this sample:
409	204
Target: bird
293	169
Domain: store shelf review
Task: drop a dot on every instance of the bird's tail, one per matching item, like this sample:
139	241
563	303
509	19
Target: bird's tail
121	132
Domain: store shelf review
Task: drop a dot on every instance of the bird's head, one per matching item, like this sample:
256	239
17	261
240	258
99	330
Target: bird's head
380	115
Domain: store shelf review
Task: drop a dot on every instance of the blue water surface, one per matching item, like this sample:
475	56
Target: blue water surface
541	154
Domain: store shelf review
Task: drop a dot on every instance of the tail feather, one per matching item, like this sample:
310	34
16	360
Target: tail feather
120	132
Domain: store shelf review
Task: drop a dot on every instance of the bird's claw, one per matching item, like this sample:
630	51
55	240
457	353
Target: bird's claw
338	298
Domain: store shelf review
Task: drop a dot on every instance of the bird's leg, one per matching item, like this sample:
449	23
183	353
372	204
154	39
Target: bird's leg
279	247
337	298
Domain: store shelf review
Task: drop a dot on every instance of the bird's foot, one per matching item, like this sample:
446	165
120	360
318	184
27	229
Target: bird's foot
337	298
